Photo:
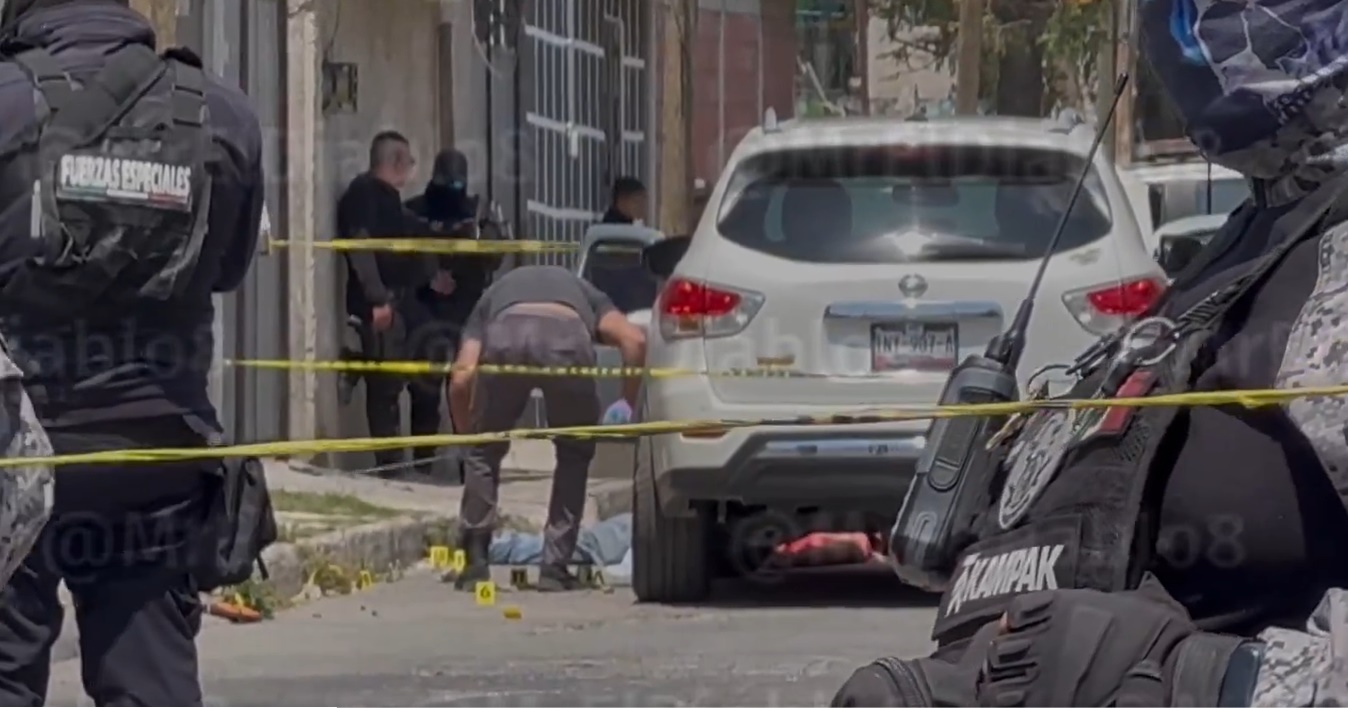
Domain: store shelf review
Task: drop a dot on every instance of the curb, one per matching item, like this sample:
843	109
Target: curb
377	547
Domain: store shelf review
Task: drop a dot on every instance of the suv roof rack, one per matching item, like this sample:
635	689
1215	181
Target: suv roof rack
770	124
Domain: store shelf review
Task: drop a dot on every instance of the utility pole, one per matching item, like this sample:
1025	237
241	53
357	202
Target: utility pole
1106	73
675	123
302	169
1125	46
969	61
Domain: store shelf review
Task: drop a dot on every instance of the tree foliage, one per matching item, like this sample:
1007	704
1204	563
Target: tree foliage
1038	55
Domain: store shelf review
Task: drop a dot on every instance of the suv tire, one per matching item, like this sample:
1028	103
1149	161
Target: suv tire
670	560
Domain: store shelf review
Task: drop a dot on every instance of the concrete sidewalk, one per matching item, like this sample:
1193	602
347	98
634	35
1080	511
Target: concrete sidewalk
424	509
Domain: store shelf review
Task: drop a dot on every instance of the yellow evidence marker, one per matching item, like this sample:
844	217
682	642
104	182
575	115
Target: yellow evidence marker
486	593
365	580
459	562
439	557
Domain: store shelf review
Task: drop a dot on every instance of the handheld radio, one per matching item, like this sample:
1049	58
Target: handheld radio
954	478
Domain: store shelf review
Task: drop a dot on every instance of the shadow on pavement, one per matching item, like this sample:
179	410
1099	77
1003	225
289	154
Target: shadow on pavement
848	586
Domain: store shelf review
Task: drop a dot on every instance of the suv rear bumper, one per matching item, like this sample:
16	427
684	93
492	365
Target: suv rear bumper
846	470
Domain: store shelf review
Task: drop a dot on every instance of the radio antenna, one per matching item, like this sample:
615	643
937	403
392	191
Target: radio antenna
1008	347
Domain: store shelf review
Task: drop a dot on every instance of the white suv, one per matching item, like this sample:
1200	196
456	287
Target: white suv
874	254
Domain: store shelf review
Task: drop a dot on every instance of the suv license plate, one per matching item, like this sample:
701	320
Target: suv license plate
914	346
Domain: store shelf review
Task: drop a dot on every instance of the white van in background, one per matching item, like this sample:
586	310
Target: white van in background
1163	193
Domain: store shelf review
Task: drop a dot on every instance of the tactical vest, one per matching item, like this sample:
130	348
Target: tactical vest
1093	526
117	168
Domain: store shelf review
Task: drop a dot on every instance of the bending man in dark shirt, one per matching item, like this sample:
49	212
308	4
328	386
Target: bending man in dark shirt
534	316
382	292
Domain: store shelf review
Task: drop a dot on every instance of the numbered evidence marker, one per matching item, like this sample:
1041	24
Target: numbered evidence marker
365	580
439	557
486	593
459	562
519	578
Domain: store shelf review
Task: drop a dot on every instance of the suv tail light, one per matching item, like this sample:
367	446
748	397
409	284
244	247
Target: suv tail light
1104	308
691	308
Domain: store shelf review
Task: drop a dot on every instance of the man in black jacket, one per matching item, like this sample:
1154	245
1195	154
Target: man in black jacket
383	291
628	202
129	370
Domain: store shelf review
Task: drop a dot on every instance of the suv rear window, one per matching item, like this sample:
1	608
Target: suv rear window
901	205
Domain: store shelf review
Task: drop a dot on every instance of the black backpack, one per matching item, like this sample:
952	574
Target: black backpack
240	525
117	169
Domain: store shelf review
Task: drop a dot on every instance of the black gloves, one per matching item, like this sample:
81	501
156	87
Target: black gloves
1090	648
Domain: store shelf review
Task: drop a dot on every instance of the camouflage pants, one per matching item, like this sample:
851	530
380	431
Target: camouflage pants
1307	668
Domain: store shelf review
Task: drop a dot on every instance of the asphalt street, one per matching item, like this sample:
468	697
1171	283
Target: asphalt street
416	642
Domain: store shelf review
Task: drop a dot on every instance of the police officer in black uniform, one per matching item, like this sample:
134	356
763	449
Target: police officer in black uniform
1129	555
138	199
383	290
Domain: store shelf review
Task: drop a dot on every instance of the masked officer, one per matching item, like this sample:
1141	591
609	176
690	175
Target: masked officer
124	205
543	316
382	290
1233	516
452	213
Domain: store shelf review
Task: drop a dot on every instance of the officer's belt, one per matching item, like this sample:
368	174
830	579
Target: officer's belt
1090	529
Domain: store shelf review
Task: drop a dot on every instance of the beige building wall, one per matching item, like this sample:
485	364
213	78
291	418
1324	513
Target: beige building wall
163	14
398	76
898	89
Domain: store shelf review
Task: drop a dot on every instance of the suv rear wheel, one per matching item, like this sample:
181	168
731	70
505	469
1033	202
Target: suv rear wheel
670	559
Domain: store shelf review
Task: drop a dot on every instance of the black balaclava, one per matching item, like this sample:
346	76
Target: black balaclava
11	11
447	193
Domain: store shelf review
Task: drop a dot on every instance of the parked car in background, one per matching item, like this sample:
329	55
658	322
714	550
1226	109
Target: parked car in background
872	256
610	259
1167	192
1179	241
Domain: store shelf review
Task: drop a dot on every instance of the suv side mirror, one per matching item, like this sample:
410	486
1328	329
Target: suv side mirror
662	257
1175	253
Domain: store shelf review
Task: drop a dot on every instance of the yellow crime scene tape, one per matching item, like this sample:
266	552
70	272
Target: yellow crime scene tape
1248	399
437	246
416	368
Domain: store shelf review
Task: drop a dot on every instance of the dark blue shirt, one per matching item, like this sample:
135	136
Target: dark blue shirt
143	364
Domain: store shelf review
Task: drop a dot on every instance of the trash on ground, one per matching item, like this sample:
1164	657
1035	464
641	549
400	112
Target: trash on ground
236	613
822	549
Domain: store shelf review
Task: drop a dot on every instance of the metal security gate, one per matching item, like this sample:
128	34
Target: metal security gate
583	111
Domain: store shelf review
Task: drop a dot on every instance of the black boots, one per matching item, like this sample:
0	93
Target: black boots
556	578
476	545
